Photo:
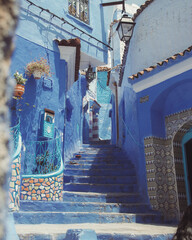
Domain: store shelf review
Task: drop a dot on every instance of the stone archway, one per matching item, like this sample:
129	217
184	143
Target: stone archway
164	166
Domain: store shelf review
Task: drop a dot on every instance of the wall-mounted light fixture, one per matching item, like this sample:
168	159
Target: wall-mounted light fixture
126	24
90	74
125	28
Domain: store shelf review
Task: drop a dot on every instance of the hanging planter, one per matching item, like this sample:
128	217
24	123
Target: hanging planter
38	68
19	88
37	74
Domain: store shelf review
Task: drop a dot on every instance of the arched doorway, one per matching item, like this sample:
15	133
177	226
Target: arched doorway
182	150
187	162
165	166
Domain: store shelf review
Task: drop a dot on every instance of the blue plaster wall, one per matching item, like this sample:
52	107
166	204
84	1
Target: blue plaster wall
104	98
48	93
41	29
113	121
36	32
74	116
39	94
173	96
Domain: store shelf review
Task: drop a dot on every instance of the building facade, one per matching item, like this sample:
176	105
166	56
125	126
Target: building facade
153	118
69	37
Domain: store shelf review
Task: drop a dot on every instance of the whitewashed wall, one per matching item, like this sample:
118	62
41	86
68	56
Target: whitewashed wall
163	29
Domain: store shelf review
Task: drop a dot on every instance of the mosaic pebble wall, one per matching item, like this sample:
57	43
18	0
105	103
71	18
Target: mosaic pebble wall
42	189
14	184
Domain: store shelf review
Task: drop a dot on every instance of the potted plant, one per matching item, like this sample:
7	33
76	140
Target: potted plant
19	88
38	68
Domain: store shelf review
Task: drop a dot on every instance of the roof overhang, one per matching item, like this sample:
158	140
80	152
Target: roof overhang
76	59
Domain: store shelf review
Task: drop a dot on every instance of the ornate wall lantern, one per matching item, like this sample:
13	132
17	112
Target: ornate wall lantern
125	28
90	74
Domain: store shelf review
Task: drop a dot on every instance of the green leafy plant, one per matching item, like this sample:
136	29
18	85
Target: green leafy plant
44	165
40	65
19	78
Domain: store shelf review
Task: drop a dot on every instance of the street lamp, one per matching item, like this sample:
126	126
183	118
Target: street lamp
90	74
125	28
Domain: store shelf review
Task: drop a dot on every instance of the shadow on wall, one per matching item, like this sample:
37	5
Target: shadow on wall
69	109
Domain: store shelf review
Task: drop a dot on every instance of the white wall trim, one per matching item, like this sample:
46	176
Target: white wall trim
163	75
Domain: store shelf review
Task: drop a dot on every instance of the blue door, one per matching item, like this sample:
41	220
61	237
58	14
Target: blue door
187	162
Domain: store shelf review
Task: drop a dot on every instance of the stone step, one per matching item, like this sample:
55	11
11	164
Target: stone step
99	150
83	217
100	179
115	231
100	188
99	161
52	206
94	166
101	146
119	157
99	172
101	197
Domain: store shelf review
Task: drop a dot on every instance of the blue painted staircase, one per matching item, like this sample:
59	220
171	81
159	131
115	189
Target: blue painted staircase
100	186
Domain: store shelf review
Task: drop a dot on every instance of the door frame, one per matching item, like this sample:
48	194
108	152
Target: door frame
185	139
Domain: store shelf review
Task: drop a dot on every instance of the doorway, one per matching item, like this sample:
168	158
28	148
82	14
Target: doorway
187	162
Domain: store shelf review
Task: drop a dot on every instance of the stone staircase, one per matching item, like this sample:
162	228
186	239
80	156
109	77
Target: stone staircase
100	187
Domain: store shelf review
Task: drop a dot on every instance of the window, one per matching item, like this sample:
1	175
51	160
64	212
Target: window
79	9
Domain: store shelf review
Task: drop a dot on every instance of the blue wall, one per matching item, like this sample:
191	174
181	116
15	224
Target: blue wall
148	118
74	116
48	93
39	28
104	98
39	94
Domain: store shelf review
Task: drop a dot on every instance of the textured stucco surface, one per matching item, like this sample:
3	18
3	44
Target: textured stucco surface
161	31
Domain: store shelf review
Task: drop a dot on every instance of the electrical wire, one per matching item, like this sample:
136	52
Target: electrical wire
67	22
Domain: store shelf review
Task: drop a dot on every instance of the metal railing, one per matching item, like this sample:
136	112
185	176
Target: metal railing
15	132
42	157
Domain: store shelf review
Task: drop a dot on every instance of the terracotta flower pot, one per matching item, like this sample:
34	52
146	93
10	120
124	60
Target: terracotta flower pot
19	90
37	74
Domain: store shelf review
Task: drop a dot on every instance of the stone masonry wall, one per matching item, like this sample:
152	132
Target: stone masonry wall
42	189
14	184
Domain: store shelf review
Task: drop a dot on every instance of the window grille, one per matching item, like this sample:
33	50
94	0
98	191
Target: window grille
79	9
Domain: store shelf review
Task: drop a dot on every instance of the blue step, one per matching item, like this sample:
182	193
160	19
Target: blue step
99	172
99	187
101	146
102	188
102	197
42	206
100	179
75	165
103	154
85	217
98	161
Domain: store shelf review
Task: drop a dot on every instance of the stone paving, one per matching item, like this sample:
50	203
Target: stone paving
111	229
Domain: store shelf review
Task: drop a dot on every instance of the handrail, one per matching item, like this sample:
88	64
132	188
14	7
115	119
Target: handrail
130	134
